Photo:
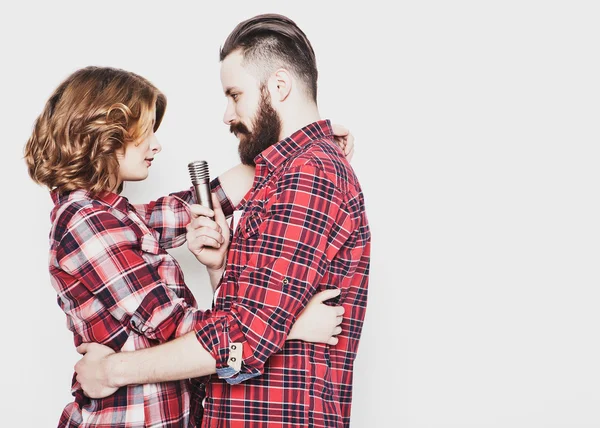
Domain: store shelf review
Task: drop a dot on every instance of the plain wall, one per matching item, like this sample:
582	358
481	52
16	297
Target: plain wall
477	146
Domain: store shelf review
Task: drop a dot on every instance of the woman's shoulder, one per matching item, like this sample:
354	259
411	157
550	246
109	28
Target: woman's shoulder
80	212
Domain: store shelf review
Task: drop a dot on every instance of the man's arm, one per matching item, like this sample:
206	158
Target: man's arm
101	371
305	224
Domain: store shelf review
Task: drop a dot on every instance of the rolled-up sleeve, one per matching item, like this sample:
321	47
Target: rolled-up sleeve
168	217
305	224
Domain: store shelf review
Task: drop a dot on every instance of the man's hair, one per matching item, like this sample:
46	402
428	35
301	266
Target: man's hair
271	41
94	113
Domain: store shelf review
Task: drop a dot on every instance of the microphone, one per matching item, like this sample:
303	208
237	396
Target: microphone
201	182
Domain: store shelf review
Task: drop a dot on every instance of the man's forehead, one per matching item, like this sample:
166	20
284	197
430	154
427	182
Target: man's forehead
234	74
232	64
234	58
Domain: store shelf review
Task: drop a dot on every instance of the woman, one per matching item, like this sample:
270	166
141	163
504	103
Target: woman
108	262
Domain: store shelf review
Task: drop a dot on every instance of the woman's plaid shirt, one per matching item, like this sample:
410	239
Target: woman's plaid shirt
118	286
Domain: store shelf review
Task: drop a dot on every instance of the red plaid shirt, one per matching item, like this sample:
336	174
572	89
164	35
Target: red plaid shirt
119	287
303	229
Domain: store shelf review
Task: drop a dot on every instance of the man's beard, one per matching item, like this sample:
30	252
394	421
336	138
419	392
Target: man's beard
266	130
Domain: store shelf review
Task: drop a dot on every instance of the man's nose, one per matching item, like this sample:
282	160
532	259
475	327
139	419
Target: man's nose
229	116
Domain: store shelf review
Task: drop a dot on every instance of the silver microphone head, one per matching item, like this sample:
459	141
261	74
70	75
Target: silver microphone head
201	181
199	172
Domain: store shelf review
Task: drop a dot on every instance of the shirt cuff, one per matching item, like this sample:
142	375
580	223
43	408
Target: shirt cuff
222	338
186	195
233	377
158	315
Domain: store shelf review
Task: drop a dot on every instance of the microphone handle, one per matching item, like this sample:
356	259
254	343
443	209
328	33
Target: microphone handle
203	195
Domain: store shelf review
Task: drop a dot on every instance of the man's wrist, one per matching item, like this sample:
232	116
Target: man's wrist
215	269
216	272
215	276
114	367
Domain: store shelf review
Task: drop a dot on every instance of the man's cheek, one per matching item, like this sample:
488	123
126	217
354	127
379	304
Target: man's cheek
248	126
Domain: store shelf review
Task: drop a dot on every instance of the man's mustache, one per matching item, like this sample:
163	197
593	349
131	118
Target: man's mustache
238	128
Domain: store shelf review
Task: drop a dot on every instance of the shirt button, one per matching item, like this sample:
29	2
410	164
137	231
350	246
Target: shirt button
285	281
233	347
232	359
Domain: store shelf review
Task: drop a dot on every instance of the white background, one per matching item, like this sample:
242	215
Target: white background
477	146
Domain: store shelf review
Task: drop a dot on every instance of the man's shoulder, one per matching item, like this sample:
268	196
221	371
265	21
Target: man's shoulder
324	156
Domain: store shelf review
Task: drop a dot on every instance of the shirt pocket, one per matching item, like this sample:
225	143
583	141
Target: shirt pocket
147	240
149	244
249	226
154	256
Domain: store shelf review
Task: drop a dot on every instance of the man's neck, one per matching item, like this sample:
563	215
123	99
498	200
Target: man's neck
298	119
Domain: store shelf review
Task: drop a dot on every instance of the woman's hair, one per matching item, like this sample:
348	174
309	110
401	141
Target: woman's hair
94	113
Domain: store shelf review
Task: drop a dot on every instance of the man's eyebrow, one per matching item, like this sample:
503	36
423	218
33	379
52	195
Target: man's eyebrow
229	90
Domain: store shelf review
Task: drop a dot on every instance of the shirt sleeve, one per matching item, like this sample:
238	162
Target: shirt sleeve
102	253
168	216
226	205
306	224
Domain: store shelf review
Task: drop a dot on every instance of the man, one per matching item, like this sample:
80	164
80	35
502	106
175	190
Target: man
303	229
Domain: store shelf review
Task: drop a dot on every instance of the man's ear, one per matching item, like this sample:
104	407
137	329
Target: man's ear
280	85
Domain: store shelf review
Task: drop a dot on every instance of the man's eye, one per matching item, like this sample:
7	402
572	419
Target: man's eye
235	97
